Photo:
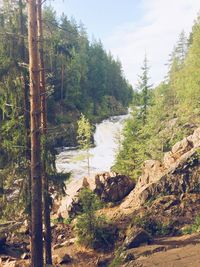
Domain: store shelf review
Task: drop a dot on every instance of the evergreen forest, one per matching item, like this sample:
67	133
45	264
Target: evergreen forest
56	87
163	115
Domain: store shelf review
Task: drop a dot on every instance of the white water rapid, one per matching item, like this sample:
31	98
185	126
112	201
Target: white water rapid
107	138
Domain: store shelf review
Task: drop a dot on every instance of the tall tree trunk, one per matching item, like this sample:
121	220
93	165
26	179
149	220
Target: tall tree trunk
45	182
36	183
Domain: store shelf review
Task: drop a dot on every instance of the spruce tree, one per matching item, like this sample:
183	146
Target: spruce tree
144	87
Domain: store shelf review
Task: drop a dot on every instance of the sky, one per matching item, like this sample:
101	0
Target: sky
131	28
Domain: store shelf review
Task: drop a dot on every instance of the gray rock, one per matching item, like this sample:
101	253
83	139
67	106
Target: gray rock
104	261
113	188
136	237
176	175
65	259
75	207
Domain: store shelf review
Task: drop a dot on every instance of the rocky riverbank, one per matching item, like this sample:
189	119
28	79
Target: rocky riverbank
157	218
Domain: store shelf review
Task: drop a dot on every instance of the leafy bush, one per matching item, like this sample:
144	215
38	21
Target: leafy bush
93	230
152	226
117	261
194	228
89	201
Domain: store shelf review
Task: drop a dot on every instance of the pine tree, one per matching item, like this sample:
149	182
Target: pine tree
84	136
45	182
36	181
181	48
144	88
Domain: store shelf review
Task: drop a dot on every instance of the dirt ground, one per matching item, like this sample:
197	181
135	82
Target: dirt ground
169	252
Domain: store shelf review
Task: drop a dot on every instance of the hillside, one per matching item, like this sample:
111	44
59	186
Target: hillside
172	108
154	221
55	84
81	77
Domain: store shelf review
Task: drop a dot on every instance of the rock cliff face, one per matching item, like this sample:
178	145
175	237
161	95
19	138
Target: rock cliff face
180	153
176	175
113	188
166	199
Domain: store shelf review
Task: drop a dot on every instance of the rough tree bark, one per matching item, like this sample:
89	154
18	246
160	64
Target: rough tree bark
45	182
36	184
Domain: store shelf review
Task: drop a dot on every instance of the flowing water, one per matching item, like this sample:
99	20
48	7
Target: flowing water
107	140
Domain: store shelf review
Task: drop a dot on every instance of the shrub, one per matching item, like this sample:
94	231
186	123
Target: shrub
194	228
93	230
152	226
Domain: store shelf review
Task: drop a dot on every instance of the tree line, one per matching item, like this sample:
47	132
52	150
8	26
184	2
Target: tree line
163	115
50	73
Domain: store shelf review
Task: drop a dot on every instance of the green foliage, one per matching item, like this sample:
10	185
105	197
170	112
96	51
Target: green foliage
152	226
131	154
84	132
94	230
63	221
81	72
173	111
118	258
89	201
194	228
144	87
78	79
84	135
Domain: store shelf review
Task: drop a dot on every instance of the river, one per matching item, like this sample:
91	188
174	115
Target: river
107	140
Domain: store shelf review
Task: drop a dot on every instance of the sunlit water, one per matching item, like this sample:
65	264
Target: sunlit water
107	140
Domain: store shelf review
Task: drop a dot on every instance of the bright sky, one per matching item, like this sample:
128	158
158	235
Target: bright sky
129	28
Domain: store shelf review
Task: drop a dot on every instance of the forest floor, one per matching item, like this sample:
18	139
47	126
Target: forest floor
181	251
177	251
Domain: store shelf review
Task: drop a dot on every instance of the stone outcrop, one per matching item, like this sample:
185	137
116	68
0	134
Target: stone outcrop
174	211
136	237
177	174
181	152
109	186
62	259
75	207
113	188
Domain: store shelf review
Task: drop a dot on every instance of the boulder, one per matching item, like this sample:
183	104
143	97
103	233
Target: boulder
75	207
85	183
151	170
136	237
104	261
113	188
64	259
176	175
183	178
